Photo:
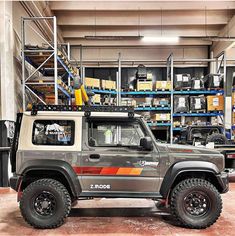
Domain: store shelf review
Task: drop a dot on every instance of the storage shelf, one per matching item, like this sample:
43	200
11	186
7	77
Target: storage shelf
152	108
153	124
196	92
103	91
146	93
198	114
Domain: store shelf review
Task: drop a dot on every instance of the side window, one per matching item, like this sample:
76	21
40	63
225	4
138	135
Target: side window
114	134
53	132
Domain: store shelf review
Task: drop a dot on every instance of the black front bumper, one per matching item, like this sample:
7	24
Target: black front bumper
15	182
223	181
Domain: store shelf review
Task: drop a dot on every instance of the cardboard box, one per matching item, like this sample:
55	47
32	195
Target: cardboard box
108	84
144	85
161	117
233	99
92	82
166	85
215	103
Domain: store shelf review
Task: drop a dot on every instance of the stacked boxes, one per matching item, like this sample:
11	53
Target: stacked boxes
144	85
108	84
161	102
161	117
215	103
163	85
92	82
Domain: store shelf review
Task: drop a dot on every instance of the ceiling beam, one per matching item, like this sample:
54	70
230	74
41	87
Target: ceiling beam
130	43
139	5
154	18
227	31
182	30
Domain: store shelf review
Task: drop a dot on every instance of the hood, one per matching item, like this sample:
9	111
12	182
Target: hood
177	148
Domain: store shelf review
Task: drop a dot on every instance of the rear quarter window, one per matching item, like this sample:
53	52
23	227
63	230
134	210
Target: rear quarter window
53	132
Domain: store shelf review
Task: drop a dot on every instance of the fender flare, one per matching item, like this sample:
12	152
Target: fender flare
60	166
182	167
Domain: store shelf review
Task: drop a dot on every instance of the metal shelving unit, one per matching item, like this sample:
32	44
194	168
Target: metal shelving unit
49	65
170	76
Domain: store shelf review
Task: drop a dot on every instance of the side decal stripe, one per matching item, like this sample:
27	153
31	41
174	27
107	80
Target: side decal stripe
107	170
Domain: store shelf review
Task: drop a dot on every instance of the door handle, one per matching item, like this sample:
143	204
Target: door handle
94	156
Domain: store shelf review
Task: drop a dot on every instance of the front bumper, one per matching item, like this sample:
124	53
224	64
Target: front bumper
223	181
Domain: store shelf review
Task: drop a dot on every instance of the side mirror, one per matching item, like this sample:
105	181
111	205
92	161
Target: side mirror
146	143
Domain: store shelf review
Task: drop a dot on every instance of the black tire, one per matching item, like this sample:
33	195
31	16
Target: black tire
216	138
45	204
191	196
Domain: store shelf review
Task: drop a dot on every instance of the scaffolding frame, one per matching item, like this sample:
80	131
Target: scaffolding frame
52	56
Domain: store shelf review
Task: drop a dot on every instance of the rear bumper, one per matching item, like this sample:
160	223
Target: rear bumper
223	181
15	182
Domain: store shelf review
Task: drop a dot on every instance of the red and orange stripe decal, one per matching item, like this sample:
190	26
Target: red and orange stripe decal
107	170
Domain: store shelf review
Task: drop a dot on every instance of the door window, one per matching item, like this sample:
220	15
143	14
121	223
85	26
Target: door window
115	134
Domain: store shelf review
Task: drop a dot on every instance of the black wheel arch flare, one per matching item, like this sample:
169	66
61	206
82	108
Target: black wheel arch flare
59	166
184	168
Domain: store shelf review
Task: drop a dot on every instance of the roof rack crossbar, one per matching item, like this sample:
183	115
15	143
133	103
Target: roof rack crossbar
86	109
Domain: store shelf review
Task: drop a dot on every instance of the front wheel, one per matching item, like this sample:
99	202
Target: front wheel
45	204
195	203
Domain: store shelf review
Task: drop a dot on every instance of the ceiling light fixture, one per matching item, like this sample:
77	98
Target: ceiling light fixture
161	39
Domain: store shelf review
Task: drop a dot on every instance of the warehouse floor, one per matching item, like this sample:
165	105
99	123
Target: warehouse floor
99	217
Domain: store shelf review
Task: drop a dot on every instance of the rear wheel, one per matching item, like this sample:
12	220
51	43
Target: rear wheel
196	203
216	138
45	203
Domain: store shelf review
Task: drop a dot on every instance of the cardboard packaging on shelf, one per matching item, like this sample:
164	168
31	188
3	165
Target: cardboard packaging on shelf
92	82
161	117
163	85
144	85
215	103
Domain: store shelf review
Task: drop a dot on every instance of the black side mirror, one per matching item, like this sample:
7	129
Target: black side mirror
146	143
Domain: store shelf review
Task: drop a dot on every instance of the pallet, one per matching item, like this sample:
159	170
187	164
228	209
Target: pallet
199	111
92	87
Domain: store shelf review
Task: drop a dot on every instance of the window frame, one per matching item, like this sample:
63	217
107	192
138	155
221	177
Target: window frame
70	143
115	122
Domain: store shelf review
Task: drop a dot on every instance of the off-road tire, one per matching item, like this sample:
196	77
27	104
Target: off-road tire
187	188
61	209
216	138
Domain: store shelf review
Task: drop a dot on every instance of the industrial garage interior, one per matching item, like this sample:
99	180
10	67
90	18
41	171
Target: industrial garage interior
117	117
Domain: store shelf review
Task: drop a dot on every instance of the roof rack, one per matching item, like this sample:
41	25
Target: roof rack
86	109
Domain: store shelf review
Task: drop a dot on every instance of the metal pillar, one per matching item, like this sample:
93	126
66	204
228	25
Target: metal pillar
221	69
170	75
55	60
119	80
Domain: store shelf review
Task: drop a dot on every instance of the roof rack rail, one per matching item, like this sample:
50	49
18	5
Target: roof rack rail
86	109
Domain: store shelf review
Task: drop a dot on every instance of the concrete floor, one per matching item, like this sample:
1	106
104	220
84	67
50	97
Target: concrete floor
98	217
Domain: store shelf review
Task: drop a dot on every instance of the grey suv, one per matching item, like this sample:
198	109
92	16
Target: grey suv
61	154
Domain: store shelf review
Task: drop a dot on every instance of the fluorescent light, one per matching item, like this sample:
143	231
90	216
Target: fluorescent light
160	39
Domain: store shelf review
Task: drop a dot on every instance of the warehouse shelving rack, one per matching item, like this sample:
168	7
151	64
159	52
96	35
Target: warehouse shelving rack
220	62
50	69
